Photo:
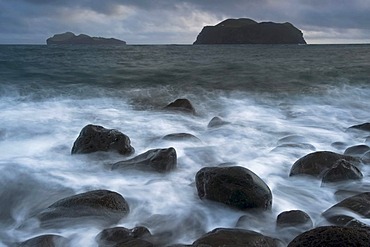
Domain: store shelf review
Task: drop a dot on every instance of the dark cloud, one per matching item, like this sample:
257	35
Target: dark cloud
175	21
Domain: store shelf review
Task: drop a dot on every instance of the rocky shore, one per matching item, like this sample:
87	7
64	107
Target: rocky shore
227	184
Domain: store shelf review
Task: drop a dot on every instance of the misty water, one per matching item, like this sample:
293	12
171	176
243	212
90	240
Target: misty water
281	102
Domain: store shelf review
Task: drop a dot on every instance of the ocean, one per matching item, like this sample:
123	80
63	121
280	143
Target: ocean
281	103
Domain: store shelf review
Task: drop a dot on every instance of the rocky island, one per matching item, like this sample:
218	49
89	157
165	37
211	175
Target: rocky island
248	31
70	38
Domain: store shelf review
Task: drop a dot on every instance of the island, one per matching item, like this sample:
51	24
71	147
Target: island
70	38
248	31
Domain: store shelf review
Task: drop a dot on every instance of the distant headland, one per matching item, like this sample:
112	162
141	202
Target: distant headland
70	38
248	31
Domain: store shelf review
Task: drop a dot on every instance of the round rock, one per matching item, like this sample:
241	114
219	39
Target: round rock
234	186
317	163
342	170
94	138
98	206
236	237
332	236
294	218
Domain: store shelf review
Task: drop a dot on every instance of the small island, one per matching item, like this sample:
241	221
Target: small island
70	38
248	31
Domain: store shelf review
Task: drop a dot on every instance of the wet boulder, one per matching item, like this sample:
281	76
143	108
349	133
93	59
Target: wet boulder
49	240
331	236
293	218
317	163
182	105
94	138
234	186
180	137
121	236
235	237
341	171
363	127
216	122
342	212
159	160
101	207
357	151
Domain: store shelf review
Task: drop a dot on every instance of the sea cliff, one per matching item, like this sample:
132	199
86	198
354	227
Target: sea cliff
247	31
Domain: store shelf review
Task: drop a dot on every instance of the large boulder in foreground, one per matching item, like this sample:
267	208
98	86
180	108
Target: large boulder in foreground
94	138
235	186
247	31
103	207
70	38
332	236
159	160
235	237
342	212
317	163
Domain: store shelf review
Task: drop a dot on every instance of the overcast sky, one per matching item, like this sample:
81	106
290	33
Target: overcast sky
178	22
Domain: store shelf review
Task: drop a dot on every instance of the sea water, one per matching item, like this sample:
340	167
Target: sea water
281	101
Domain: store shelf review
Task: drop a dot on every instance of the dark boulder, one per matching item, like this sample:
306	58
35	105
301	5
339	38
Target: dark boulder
182	105
341	171
235	237
234	186
180	137
317	163
364	127
340	213
160	160
48	240
121	236
294	218
216	122
332	236
95	138
357	151
247	31
70	38
99	206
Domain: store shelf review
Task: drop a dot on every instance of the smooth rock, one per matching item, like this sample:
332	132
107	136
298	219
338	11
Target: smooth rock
364	127
357	151
159	160
317	163
341	213
341	171
234	186
101	207
182	105
332	236
95	138
48	240
235	238
216	122
180	137
294	218
121	236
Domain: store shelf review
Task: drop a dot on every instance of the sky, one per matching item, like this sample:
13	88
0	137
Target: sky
178	22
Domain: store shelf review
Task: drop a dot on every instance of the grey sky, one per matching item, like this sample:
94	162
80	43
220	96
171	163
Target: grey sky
178	22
